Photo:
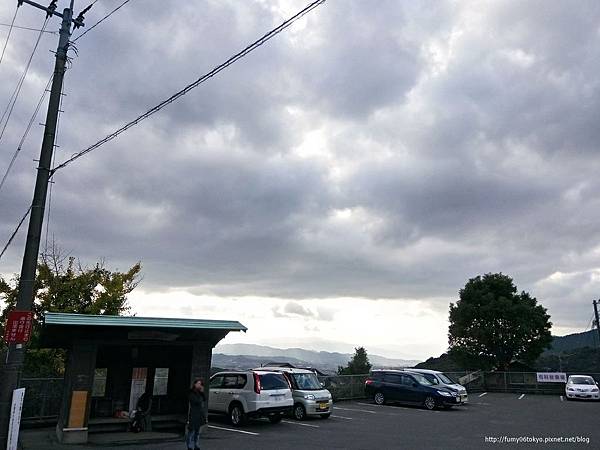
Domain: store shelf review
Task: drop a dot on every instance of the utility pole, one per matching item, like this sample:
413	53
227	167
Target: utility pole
596	303
11	372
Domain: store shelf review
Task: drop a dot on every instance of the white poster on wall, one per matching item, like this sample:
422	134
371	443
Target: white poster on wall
15	419
138	385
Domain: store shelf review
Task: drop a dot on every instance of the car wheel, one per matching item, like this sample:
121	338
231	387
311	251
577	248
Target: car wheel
379	398
429	403
325	416
237	415
299	412
275	419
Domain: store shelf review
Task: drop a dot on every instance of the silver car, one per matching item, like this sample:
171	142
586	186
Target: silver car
441	379
310	397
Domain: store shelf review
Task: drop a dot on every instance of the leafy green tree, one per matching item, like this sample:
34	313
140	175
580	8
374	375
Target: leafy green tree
358	365
491	325
63	285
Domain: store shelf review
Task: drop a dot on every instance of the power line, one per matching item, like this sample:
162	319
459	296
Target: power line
266	37
101	20
12	236
26	28
26	133
12	24
15	95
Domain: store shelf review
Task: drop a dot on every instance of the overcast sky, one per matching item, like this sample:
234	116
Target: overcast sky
339	185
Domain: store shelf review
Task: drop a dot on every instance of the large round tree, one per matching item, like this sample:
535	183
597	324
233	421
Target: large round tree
492	325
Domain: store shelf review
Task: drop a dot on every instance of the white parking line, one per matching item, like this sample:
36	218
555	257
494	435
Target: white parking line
342	417
234	430
481	395
521	396
353	409
301	424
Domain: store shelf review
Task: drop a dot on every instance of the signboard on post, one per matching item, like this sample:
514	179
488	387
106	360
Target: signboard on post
15	419
18	327
551	377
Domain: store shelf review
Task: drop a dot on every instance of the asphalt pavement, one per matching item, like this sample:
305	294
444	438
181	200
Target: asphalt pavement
488	421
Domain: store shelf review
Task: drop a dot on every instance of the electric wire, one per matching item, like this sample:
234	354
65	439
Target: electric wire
101	20
12	236
15	95
26	28
266	37
26	133
7	113
12	25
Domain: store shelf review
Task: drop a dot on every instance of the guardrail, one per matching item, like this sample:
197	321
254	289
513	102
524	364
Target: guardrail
524	382
43	398
345	387
43	395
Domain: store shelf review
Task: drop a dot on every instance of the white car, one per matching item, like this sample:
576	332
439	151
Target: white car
582	387
253	393
441	379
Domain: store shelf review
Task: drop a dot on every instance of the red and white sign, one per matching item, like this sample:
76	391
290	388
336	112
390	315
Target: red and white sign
18	327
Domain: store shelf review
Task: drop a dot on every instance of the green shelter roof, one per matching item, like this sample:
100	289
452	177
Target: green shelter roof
68	319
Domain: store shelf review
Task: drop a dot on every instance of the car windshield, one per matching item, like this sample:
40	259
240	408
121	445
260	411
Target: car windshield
446	379
307	381
421	379
582	380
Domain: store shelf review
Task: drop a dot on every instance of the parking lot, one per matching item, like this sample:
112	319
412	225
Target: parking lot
363	425
488	420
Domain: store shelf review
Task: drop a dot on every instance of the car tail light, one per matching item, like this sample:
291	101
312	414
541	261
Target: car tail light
256	383
368	382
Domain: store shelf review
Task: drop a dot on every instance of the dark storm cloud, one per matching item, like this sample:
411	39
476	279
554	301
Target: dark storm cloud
452	139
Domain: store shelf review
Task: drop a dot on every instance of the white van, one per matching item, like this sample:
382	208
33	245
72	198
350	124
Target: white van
441	379
310	397
247	394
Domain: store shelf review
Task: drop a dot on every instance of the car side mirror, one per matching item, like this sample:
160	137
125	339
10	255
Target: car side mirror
322	384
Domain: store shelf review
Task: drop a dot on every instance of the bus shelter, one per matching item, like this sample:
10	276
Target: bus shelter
113	360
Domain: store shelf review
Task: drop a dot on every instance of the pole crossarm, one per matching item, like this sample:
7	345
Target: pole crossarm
50	10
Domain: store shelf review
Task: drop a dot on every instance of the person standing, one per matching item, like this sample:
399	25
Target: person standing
196	414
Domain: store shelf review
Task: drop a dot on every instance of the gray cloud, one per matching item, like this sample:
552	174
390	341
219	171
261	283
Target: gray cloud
453	139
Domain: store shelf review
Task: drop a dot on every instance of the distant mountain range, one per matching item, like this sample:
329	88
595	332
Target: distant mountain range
573	352
245	356
561	344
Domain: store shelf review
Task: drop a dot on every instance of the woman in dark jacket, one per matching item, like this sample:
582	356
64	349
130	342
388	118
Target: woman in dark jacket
197	414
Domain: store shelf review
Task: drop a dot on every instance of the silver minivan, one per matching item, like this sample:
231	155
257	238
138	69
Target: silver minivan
310	397
441	379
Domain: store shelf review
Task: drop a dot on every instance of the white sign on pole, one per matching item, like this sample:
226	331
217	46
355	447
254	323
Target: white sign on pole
15	418
551	377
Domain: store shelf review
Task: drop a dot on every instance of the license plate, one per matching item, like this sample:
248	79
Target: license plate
323	405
